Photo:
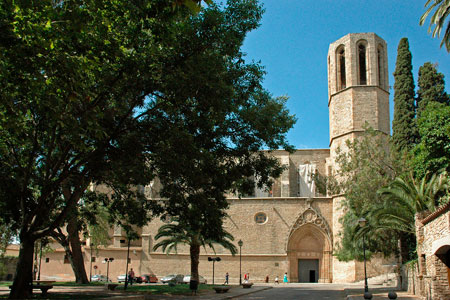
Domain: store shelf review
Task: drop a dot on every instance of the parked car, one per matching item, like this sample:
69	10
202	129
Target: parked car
121	278
175	278
187	279
99	278
148	278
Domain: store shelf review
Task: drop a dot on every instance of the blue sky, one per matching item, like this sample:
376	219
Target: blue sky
292	43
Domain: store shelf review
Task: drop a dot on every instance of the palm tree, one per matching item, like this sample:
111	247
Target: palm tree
403	198
177	233
438	19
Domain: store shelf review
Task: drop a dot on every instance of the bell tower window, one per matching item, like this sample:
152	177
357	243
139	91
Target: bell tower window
362	64
341	69
380	61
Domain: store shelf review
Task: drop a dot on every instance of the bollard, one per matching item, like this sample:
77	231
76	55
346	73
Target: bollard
392	295
367	295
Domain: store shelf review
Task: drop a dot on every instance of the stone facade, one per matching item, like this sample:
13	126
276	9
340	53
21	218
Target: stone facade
433	249
291	227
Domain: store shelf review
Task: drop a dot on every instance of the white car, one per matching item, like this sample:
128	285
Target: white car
175	278
187	279
121	278
99	278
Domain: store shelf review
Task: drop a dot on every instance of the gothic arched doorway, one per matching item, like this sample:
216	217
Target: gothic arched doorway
309	249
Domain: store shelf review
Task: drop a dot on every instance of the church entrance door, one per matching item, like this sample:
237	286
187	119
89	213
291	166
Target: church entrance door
308	270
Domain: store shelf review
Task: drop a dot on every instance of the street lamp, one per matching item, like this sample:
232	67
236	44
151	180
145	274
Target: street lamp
90	266
362	222
213	259
126	272
240	243
108	260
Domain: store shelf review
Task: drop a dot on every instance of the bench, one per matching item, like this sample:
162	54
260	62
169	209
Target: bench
221	289
111	286
43	287
247	285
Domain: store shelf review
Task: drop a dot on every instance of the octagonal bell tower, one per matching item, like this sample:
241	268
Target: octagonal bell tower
358	92
358	86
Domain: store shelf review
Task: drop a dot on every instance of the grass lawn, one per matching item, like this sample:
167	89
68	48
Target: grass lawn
179	289
68	283
72	283
61	296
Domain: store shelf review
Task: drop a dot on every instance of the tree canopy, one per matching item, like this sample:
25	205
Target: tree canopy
73	75
432	153
116	92
366	166
431	85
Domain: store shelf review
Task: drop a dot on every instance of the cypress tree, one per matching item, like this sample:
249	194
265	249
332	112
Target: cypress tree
431	87
404	125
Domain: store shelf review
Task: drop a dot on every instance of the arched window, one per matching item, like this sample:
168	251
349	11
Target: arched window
341	84
362	70
380	61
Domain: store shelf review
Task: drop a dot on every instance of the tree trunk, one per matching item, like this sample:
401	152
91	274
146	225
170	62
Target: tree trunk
195	256
77	255
23	277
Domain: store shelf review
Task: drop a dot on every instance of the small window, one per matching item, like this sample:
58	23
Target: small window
66	259
47	260
122	241
93	259
129	260
260	218
277	264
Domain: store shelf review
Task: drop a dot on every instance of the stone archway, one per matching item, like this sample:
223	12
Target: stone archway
309	244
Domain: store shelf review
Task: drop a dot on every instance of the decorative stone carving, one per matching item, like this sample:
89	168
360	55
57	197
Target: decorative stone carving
311	216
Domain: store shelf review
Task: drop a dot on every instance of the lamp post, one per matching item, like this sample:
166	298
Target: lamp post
126	272
362	222
213	259
90	266
240	243
40	260
108	260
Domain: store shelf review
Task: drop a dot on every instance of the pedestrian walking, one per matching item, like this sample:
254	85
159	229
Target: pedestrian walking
276	279
285	279
131	276
267	279
226	278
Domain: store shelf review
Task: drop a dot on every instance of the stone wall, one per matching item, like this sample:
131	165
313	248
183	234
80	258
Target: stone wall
433	237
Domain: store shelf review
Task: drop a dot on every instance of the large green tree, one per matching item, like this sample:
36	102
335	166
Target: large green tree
221	118
431	85
113	92
441	11
73	76
432	153
404	132
366	166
